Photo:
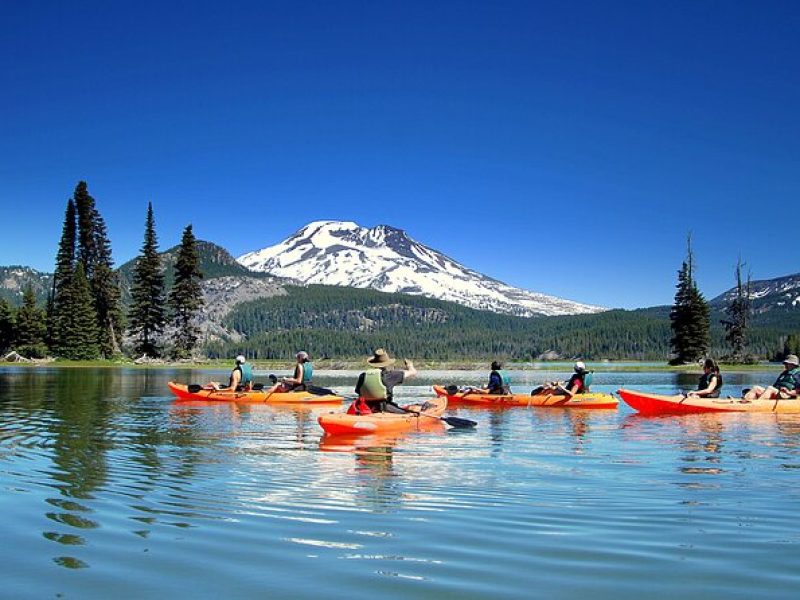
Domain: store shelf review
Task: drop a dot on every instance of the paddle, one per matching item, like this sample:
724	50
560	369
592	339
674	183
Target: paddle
319	391
455	422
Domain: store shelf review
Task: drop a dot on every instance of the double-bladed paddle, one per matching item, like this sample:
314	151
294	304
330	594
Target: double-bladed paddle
455	422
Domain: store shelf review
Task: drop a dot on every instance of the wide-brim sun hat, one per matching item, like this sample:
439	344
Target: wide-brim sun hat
791	359
380	358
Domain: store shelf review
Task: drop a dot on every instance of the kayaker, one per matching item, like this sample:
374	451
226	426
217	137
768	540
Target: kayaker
241	378
786	386
300	379
710	382
375	387
499	381
577	384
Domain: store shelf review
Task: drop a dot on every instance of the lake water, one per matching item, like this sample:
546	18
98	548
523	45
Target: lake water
109	488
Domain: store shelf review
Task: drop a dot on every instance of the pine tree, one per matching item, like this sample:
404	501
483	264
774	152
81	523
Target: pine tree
7	325
94	251
31	327
78	336
62	278
738	311
86	212
147	315
790	346
690	316
186	297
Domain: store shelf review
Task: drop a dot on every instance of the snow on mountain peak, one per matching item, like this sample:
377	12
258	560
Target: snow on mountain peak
387	259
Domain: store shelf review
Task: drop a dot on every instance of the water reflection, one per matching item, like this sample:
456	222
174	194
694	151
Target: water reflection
102	471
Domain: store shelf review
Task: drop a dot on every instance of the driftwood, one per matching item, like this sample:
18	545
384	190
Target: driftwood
146	360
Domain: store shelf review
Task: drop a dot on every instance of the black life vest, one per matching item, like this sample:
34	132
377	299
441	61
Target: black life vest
705	381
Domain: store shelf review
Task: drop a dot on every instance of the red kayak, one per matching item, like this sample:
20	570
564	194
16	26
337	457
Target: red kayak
655	404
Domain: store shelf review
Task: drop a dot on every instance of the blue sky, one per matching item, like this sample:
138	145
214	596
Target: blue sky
564	147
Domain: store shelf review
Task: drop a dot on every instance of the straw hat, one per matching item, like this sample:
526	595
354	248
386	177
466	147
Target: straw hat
380	358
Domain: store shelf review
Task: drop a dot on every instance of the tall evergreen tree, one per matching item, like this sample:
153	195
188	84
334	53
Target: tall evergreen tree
6	325
78	337
147	315
87	217
690	315
94	251
738	312
62	278
31	327
186	297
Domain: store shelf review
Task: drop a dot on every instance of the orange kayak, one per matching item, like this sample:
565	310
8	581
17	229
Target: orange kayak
655	404
344	424
182	392
589	400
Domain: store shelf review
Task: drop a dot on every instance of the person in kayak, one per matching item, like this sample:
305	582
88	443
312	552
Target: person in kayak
375	387
710	383
786	386
300	379
499	381
578	383
241	378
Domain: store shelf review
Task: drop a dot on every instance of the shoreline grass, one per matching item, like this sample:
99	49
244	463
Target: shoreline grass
422	365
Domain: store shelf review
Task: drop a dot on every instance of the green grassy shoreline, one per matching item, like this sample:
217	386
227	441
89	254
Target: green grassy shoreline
354	364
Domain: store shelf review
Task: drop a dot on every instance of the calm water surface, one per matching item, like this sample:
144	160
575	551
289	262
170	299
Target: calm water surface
109	488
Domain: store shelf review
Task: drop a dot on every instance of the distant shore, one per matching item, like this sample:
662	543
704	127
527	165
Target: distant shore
421	365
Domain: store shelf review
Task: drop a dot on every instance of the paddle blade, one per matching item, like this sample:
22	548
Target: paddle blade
320	391
194	388
459	423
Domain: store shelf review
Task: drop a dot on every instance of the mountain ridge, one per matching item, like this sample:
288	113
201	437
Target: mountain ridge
387	259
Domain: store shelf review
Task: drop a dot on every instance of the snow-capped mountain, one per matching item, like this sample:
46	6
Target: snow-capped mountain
768	294
386	259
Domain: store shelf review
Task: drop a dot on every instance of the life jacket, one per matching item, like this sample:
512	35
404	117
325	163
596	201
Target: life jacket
246	375
373	388
505	382
585	378
588	377
787	379
359	407
308	372
705	381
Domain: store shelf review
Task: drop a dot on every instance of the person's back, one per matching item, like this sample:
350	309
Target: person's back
240	379
375	387
499	381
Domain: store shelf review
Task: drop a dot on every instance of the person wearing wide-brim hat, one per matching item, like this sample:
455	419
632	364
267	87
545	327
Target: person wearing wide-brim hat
786	386
375	387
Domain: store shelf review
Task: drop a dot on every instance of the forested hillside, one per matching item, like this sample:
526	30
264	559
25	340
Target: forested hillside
214	261
346	322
